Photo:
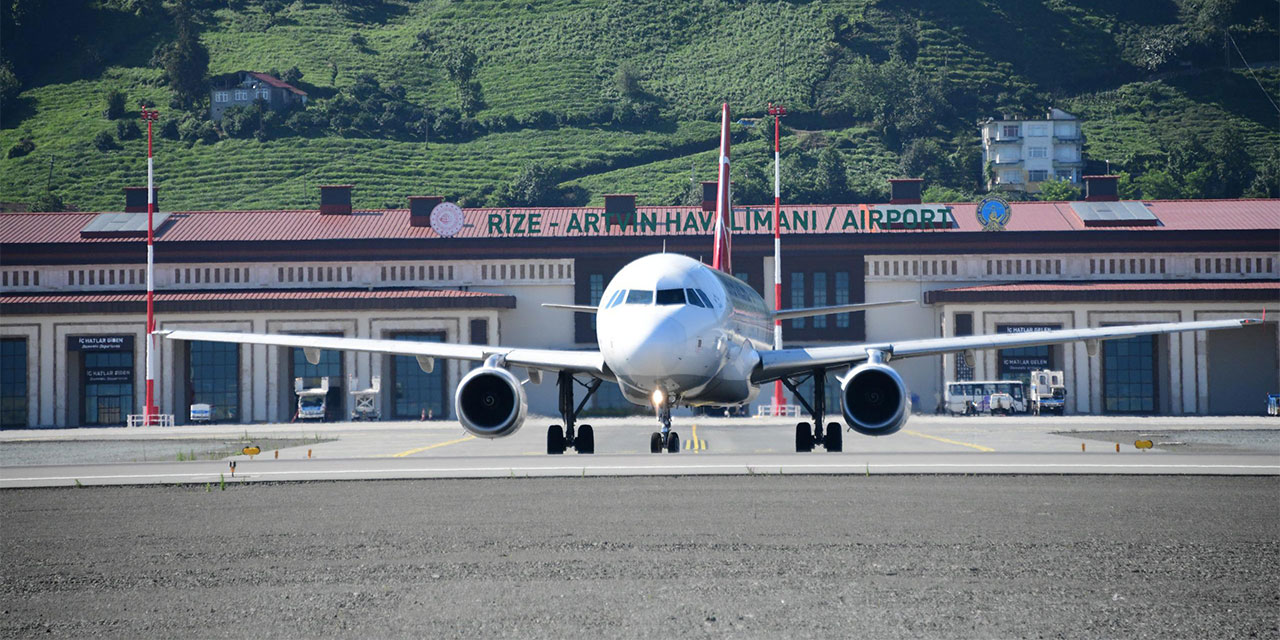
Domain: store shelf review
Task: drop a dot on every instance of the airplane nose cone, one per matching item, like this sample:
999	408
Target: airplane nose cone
657	351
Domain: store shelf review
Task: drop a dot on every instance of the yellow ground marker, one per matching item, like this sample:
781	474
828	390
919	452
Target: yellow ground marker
955	442
437	445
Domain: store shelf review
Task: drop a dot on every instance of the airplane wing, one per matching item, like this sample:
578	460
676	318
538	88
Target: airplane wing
583	308
546	359
784	362
787	314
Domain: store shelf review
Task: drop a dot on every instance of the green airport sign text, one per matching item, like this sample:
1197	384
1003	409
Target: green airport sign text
850	220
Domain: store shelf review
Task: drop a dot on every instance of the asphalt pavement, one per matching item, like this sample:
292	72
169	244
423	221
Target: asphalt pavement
764	555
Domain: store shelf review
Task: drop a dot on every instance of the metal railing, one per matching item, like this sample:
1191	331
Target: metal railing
158	420
788	410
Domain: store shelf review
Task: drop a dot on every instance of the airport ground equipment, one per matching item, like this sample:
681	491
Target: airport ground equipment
364	402
201	412
1273	404
1048	392
985	396
311	402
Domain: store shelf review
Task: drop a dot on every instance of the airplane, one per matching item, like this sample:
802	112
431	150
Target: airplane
674	331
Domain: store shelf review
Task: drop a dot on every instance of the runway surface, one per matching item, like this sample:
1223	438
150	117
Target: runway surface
668	557
711	446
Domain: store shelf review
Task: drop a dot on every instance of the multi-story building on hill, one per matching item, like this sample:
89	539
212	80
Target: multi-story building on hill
242	88
1021	154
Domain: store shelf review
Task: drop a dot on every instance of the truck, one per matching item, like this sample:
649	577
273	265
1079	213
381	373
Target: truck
311	402
1048	392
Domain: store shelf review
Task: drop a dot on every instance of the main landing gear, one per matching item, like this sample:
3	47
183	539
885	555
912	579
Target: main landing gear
665	439
559	438
811	434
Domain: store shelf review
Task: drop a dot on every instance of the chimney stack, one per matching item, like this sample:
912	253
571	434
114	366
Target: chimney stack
420	209
335	199
905	190
620	204
710	191
1101	188
135	199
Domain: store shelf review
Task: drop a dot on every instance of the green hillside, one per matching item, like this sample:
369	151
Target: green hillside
567	100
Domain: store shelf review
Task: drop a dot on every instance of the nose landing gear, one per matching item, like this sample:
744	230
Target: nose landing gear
810	434
666	439
558	438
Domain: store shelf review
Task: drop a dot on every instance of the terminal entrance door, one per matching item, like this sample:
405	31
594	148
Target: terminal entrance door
416	393
108	387
1129	377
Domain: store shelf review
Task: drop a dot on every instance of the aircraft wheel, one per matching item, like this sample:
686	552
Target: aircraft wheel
586	441
834	439
673	442
555	439
804	437
655	442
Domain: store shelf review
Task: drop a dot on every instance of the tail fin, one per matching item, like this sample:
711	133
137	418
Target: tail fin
724	208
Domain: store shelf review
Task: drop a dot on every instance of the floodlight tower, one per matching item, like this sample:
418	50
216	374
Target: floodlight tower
150	411
777	111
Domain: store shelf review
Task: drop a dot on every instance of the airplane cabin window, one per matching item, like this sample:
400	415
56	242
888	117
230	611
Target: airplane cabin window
694	299
670	296
639	296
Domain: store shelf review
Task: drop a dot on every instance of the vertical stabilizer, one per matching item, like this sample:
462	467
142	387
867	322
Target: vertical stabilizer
724	209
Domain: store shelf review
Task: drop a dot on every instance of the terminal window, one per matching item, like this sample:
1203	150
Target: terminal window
416	393
214	378
13	382
1129	375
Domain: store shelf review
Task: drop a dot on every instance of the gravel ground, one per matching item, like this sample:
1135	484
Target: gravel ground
761	556
157	450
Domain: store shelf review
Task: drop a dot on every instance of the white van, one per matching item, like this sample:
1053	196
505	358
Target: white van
985	396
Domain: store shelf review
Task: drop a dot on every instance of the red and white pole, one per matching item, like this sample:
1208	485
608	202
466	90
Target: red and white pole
151	411
777	111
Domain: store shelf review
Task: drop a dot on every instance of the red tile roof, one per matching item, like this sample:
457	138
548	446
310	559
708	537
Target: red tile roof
276	82
232	301
273	226
226	296
1219	285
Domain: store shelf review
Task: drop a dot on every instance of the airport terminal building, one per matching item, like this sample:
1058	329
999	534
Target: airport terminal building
73	311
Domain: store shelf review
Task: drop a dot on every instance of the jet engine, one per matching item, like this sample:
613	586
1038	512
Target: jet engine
875	400
490	402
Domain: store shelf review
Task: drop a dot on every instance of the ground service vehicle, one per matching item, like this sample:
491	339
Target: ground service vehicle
985	396
311	402
1048	392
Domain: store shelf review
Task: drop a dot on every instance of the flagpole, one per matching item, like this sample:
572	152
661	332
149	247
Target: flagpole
777	111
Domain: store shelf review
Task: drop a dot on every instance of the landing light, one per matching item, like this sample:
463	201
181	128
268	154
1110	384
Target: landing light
658	397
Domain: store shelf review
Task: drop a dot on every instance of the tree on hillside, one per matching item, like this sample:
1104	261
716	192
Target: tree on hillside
10	87
460	64
1158	184
923	158
115	104
627	80
533	186
832	179
185	61
1059	190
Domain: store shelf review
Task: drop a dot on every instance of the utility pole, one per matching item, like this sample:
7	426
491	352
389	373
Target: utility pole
777	111
150	412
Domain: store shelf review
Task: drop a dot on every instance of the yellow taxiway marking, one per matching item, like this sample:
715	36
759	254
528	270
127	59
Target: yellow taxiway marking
410	452
955	442
694	443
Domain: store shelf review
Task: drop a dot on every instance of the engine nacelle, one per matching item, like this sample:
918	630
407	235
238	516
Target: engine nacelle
874	400
490	402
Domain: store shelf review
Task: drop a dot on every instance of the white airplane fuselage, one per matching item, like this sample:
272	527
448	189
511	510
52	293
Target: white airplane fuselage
669	322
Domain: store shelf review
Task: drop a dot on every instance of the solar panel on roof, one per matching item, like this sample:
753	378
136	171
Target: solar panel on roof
122	223
1115	214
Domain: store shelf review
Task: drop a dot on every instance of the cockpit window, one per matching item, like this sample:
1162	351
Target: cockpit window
693	298
670	296
705	298
616	298
639	296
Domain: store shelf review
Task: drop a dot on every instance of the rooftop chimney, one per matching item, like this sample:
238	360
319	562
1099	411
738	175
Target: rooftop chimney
1101	188
709	194
905	190
420	209
135	199
335	199
620	204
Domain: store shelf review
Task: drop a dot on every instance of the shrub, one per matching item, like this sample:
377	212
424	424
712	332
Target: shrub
115	104
104	141
23	147
169	129
128	130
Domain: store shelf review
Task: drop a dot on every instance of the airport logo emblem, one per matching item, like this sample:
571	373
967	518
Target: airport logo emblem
446	219
994	214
